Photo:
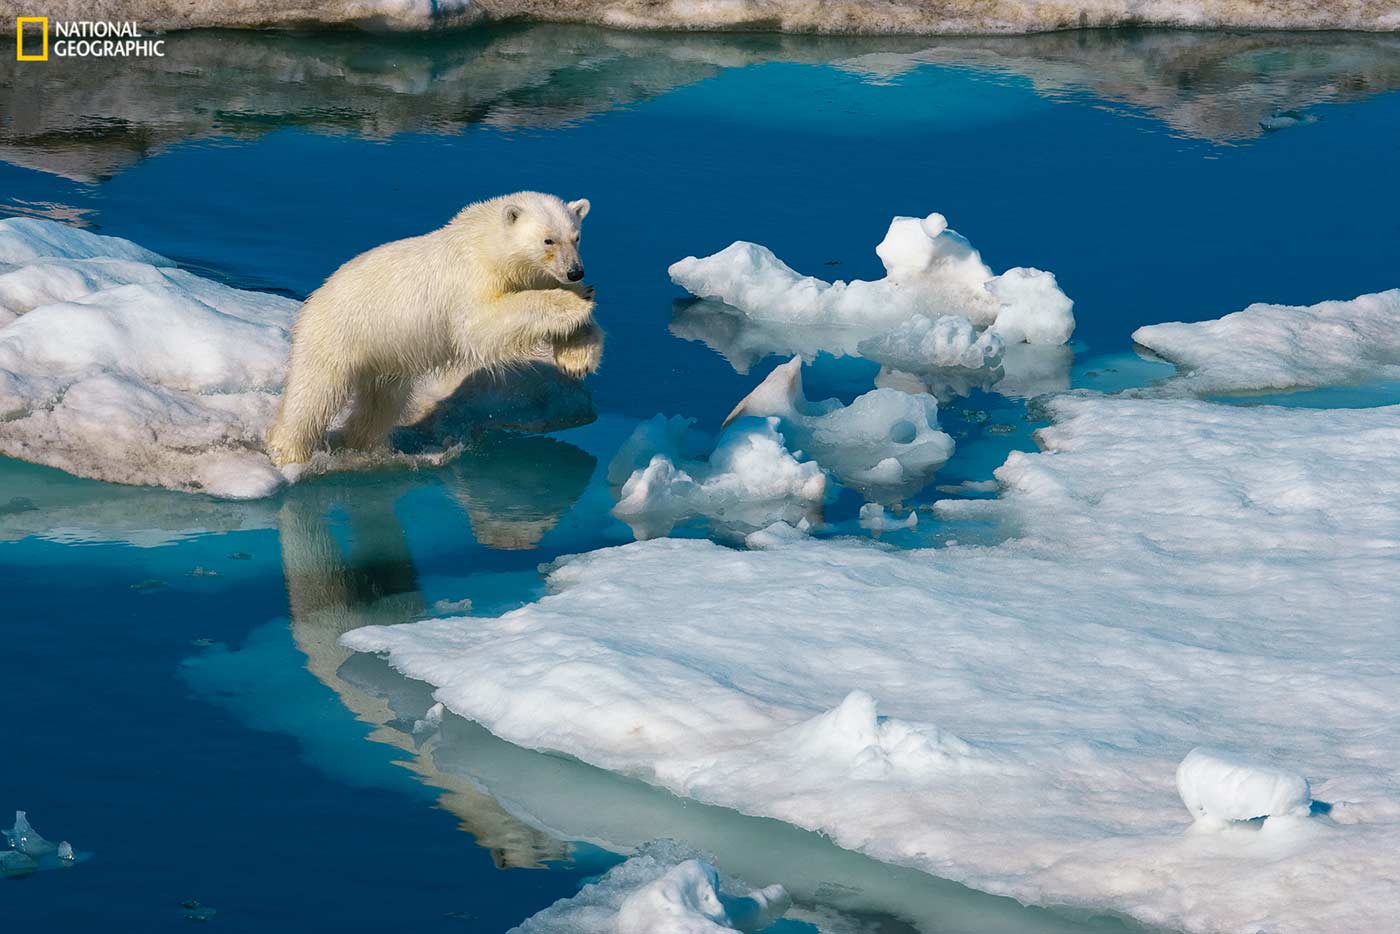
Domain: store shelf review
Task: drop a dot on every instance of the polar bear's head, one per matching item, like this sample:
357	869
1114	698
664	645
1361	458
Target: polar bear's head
542	234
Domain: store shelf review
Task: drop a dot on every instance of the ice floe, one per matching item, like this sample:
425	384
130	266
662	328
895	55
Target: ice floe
943	17
116	365
1173	564
930	270
663	889
749	480
1279	347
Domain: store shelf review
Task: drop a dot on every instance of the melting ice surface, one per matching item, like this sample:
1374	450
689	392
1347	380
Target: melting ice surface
1127	756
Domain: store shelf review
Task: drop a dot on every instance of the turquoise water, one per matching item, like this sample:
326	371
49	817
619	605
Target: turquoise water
183	714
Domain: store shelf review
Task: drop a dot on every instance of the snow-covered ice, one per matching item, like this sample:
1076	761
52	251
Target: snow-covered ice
885	442
1181	574
876	518
749	480
1279	347
1218	787
663	889
931	271
116	365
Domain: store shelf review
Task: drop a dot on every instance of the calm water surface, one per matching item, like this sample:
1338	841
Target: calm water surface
180	708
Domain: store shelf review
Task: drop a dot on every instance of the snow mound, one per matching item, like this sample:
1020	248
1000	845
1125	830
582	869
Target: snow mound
1276	347
1218	787
885	442
749	480
1172	563
117	366
930	271
918	17
663	889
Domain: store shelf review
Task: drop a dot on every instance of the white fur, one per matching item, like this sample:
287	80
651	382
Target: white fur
484	291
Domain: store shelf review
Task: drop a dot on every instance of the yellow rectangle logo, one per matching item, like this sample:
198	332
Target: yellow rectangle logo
20	23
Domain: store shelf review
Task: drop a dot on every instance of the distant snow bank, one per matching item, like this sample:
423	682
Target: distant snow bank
1276	347
1015	717
663	889
943	17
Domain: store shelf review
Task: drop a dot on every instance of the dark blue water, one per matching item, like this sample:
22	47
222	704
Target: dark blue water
178	708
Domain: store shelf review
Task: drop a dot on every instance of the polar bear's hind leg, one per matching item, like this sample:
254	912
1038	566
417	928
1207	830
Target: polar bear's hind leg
379	403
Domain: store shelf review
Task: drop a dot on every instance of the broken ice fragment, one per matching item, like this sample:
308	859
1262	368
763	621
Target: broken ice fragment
1218	787
26	839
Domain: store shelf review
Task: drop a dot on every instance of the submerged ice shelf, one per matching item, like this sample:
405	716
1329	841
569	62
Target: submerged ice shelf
1174	563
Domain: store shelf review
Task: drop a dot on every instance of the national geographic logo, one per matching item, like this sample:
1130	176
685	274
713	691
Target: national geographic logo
82	39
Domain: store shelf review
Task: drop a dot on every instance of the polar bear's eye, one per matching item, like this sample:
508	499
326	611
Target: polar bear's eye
548	242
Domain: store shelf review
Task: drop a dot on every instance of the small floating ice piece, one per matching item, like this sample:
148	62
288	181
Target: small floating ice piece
1218	787
930	270
1275	347
749	480
885	441
26	839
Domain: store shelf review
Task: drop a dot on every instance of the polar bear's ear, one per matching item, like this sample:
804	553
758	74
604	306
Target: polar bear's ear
580	208
511	213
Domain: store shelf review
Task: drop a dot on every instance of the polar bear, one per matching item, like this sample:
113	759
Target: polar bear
496	286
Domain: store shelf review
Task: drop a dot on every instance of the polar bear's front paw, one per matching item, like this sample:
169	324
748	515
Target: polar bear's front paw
580	353
582	290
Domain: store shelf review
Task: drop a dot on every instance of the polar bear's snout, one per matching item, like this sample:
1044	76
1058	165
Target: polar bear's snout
575	272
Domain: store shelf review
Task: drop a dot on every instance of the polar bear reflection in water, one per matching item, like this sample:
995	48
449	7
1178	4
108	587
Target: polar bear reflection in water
514	489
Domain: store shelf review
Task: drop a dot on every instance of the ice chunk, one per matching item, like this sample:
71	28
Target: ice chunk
663	889
1169	564
1217	786
930	270
27	840
1278	347
885	442
748	481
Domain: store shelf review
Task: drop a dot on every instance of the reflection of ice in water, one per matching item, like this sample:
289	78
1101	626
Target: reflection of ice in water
1025	370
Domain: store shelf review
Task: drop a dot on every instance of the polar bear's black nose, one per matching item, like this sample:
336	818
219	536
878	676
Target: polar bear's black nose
575	273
